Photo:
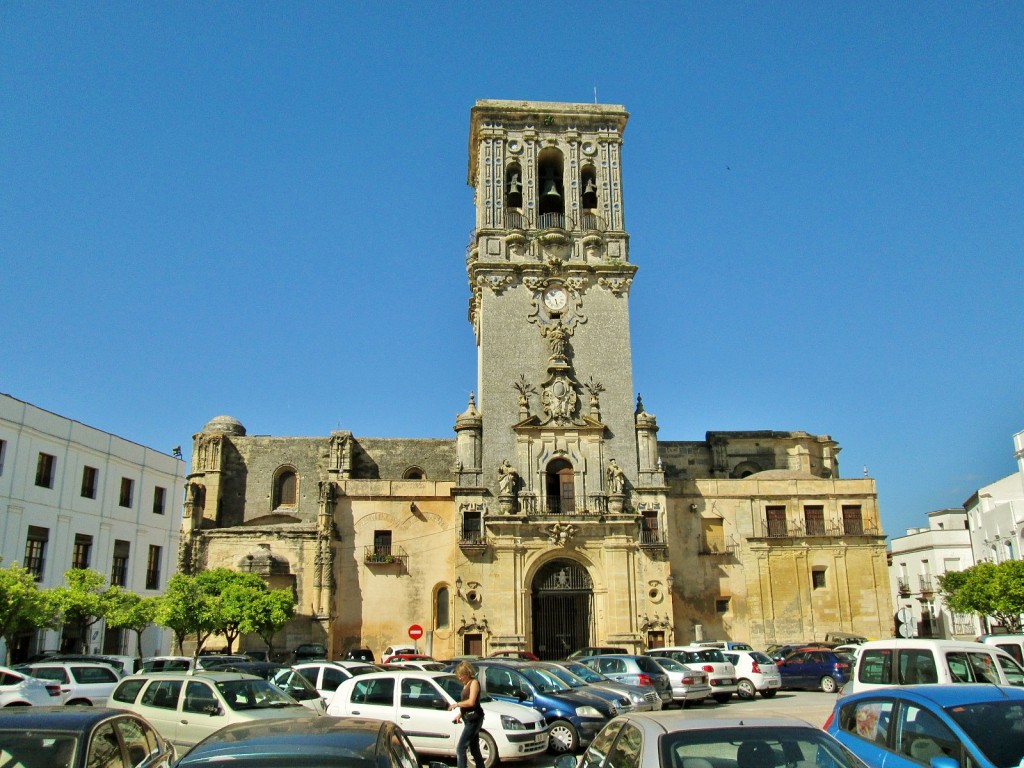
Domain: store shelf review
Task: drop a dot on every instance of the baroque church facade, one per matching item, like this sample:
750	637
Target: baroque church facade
554	518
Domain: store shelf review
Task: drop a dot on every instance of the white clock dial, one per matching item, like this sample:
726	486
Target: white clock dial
555	298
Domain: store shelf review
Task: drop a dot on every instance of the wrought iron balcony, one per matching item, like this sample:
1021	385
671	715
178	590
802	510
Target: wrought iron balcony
902	586
391	555
927	586
592	504
651	539
473	542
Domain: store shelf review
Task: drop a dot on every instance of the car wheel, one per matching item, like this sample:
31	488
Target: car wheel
768	692
745	689
488	749
563	737
721	698
828	685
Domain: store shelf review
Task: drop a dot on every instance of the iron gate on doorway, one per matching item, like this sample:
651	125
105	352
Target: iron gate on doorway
563	609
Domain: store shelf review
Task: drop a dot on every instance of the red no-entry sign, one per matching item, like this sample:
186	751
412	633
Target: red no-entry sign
415	631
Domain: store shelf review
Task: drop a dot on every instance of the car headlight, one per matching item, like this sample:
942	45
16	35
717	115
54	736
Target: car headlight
509	723
588	712
637	698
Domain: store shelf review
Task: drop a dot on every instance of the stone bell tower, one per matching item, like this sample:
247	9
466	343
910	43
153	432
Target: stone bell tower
549	272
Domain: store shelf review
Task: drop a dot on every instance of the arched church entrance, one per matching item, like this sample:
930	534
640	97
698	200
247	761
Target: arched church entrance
563	609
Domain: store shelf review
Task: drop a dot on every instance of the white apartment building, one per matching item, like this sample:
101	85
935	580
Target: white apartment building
996	514
916	562
72	496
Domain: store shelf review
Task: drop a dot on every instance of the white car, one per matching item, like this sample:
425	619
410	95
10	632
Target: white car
80	682
418	701
721	673
22	690
186	707
326	676
756	672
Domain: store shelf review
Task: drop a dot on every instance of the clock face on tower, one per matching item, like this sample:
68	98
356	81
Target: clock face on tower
555	298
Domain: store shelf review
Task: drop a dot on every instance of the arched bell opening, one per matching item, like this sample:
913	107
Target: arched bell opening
560	487
551	203
588	185
513	186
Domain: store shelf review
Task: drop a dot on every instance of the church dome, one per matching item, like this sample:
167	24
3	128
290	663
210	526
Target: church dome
226	425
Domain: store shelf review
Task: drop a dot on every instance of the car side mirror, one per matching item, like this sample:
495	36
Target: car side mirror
522	695
213	709
438	704
563	761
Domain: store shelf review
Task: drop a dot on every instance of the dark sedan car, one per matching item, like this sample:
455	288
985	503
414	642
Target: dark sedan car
816	668
76	737
326	742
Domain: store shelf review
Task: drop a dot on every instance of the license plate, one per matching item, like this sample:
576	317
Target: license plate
727	681
774	683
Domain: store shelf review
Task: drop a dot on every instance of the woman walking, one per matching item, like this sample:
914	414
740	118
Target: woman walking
471	714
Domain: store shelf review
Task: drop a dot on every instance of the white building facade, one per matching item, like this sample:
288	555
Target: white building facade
917	561
996	514
72	496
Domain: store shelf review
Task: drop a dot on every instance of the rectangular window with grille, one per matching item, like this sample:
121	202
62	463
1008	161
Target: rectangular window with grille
153	568
649	532
853	521
818	578
35	550
90	475
119	569
81	555
44	470
776	519
159	500
472	531
814	520
127	489
381	544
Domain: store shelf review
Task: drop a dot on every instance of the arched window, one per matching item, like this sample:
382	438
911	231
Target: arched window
414	473
588	188
551	202
285	488
513	186
441	608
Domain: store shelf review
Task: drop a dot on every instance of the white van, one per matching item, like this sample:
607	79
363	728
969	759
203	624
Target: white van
912	661
1012	644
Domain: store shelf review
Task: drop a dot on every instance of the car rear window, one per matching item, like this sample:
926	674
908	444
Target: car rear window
711	655
94	674
760	658
649	665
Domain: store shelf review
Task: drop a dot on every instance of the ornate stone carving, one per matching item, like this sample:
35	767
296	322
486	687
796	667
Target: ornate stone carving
497	283
560	399
560	534
525	390
594	389
617	285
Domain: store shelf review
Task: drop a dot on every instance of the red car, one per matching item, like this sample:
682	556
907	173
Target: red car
407	657
512	653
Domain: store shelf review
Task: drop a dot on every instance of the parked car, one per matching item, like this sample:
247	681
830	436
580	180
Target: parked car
513	653
19	689
816	668
1012	644
166	664
208	660
633	669
326	742
420	701
721	674
970	725
81	682
779	652
726	645
910	661
689	686
80	737
123	665
326	676
428	665
644	697
675	739
617	702
756	673
309	652
186	707
596	650
396	649
573	719
359	654
396	657
287	679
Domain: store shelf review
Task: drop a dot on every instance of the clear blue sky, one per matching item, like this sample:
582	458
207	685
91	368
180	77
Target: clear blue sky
261	209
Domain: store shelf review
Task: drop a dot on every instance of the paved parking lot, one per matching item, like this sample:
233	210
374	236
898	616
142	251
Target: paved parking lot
812	706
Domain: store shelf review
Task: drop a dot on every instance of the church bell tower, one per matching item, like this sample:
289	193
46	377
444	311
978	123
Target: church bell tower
549	272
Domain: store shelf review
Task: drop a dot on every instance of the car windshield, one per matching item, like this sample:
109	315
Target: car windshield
997	727
746	746
294	684
567	677
254	694
25	747
544	681
450	684
586	674
710	655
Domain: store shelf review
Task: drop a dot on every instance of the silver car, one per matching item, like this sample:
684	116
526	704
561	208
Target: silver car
689	685
644	697
637	670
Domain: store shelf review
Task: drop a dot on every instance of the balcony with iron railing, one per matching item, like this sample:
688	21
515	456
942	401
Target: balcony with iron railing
579	506
927	585
472	541
903	586
390	555
720	546
651	539
788	529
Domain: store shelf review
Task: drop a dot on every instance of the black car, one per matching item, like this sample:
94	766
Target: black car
309	652
326	742
77	737
359	654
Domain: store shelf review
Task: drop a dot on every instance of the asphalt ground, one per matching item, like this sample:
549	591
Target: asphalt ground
812	706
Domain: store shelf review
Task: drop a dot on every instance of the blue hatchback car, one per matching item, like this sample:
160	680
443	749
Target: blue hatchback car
941	726
816	668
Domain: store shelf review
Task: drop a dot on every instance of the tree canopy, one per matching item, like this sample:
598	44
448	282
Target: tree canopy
992	590
81	602
23	606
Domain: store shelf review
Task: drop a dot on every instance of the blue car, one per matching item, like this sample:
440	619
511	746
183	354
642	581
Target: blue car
816	668
574	718
940	726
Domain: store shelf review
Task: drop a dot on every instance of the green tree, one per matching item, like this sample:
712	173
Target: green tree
81	602
23	606
268	613
131	611
991	590
235	592
187	608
